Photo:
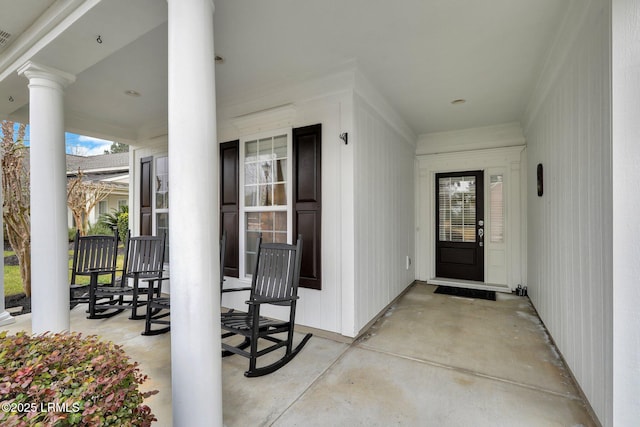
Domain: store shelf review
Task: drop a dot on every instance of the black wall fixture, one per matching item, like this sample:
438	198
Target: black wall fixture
540	180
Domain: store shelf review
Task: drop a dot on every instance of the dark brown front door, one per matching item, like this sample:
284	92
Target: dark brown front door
460	225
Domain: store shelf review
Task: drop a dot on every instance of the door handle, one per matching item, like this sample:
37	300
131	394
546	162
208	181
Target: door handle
481	233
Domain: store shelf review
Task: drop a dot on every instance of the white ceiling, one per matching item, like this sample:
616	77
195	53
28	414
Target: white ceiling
420	54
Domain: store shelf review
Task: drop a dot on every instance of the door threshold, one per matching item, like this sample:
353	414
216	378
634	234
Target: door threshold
469	284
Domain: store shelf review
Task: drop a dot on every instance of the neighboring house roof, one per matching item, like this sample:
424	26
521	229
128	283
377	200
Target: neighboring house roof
112	168
97	164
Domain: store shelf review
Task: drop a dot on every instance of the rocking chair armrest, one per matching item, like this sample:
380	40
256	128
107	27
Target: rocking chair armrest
270	300
154	279
235	289
101	270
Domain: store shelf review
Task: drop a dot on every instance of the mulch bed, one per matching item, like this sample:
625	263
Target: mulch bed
19	300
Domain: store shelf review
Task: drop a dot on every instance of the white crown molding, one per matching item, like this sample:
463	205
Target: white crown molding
486	137
270	118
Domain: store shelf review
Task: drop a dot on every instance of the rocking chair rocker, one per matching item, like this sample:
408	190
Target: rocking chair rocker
275	281
158	307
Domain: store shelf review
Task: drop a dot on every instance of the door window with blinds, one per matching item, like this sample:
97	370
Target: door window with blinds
266	163
457	209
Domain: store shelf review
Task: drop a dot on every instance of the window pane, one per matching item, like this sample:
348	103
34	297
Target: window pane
280	237
496	209
251	150
280	194
162	183
266	221
251	196
250	173
280	146
250	253
266	172
265	198
280	221
281	171
162	226
253	221
265	149
457	200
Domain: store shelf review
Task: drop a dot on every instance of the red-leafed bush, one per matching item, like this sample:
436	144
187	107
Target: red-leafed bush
69	380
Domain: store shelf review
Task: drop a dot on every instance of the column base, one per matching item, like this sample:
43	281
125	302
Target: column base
6	319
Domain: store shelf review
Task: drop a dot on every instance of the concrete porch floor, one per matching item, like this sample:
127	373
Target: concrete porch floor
430	360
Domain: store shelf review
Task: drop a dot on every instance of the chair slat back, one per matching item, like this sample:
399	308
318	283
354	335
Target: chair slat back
277	271
93	252
145	255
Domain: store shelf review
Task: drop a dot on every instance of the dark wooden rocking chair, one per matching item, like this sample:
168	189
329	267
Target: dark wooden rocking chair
158	307
275	281
93	256
144	260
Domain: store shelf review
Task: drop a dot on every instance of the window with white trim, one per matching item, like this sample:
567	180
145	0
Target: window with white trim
162	200
496	208
265	199
103	207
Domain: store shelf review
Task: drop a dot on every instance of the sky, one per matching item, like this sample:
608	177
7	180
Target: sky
79	145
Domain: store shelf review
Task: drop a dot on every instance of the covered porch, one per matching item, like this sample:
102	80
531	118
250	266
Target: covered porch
401	93
430	359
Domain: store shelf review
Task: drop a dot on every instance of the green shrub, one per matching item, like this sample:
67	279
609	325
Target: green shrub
117	218
67	380
72	234
99	229
123	225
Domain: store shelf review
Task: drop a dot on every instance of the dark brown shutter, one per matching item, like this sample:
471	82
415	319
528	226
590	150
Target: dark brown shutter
229	205
146	210
307	143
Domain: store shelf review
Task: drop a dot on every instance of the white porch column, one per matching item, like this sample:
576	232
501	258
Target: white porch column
194	217
5	317
625	66
49	236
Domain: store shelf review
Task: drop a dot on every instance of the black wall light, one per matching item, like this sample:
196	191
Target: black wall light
540	180
345	138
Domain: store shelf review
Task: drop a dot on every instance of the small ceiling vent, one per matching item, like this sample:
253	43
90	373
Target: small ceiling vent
4	38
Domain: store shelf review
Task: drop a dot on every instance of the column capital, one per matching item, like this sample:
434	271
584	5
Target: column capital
33	70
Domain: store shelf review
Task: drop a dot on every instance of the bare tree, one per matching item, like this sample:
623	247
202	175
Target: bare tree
83	196
16	211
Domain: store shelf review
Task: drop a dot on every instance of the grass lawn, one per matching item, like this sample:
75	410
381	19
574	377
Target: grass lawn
13	282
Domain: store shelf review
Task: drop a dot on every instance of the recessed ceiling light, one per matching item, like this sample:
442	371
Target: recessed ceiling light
458	101
132	92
